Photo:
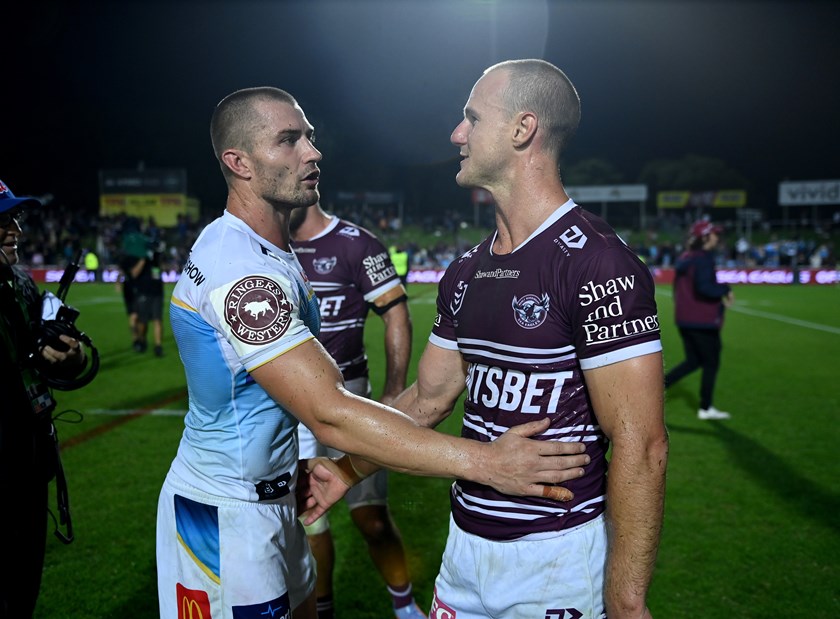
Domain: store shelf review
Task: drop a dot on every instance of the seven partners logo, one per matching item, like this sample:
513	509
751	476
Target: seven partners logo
257	310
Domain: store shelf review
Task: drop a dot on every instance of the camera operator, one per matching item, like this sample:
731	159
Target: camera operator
28	444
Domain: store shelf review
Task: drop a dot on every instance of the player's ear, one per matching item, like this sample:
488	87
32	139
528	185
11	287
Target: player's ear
237	162
524	129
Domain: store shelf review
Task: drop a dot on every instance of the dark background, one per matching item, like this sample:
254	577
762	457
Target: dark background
94	85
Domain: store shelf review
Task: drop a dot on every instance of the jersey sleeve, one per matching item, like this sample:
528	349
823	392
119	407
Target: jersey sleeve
450	295
259	316
614	316
376	274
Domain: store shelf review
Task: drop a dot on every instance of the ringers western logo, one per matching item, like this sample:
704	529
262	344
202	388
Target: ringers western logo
257	310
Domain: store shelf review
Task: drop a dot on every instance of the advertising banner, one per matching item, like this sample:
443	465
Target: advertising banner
809	193
724	198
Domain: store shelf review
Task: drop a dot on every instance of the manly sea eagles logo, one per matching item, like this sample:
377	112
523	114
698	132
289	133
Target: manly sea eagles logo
257	310
530	311
324	265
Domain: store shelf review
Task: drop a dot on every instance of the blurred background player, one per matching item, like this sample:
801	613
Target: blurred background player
699	303
351	272
133	248
399	257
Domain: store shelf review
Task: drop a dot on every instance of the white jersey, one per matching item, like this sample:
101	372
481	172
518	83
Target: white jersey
239	303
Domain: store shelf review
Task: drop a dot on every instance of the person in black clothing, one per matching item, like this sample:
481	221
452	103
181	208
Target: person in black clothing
699	302
28	443
148	299
133	248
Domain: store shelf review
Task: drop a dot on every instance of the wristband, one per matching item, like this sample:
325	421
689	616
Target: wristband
350	474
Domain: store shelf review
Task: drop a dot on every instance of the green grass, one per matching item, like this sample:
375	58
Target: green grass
751	527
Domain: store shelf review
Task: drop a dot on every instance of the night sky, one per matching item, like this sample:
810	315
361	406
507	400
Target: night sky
91	86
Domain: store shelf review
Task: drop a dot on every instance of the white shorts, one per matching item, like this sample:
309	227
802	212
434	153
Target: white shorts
548	578
229	558
372	490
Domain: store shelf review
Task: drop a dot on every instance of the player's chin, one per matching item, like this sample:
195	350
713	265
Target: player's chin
310	194
462	179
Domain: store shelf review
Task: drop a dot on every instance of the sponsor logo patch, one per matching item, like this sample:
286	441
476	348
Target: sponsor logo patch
278	608
349	231
574	238
378	268
563	613
257	310
530	311
440	610
192	603
498	274
605	321
274	489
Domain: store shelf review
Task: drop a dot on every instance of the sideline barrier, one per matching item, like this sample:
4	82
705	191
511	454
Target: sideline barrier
759	276
432	276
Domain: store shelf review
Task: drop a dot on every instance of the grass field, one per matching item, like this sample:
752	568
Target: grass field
752	526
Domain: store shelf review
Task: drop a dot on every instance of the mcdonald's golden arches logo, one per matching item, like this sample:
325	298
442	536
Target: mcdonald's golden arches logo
192	603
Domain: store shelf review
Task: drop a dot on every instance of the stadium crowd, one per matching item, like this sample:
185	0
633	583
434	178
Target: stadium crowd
57	233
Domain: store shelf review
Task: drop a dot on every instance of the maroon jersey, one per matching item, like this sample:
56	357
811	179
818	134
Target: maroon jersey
571	298
348	268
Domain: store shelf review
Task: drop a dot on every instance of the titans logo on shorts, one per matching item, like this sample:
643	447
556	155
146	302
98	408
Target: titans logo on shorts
572	297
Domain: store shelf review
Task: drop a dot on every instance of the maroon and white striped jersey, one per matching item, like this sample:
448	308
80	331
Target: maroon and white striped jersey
572	297
348	268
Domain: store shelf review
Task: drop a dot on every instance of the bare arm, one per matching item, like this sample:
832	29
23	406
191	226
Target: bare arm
628	400
307	382
441	378
397	345
137	268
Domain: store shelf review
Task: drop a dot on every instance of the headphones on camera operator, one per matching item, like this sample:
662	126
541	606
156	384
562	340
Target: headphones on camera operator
63	322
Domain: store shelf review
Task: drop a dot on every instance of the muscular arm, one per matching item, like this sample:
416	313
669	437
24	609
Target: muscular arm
441	378
307	382
397	345
628	400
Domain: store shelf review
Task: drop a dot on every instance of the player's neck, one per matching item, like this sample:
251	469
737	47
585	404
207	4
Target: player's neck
523	209
315	223
269	223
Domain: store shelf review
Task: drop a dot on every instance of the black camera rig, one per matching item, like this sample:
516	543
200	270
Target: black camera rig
64	323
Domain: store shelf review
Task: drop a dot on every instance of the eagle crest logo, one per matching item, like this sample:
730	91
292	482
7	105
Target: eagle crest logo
530	311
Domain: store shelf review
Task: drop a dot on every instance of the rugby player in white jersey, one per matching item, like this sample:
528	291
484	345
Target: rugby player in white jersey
229	542
551	316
